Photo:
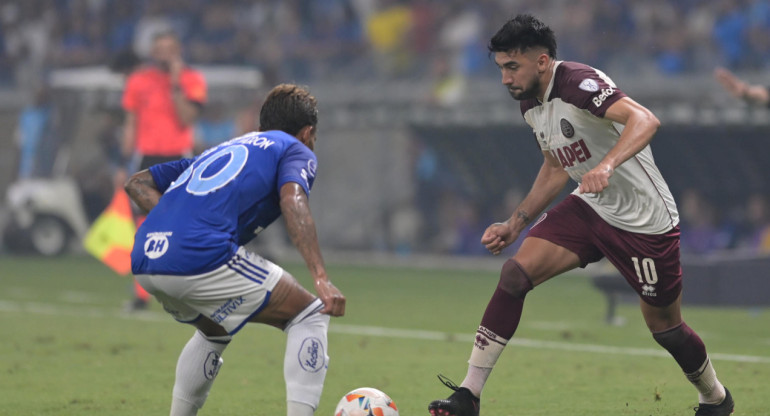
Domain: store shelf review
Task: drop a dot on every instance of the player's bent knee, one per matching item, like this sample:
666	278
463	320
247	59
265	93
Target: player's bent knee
514	280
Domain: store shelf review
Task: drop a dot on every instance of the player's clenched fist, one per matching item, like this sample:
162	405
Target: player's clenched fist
596	179
498	236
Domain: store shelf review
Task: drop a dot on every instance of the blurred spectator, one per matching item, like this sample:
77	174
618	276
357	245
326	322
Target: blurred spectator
673	56
701	232
214	127
388	30
37	147
754	233
153	21
211	42
449	86
27	37
469	227
122	17
427	174
730	33
461	38
311	39
81	37
95	177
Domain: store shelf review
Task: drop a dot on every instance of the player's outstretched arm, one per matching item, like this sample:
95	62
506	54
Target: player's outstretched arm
549	182
301	228
753	94
640	126
143	191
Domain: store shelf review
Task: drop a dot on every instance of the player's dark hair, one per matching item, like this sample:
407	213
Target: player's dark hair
522	33
288	108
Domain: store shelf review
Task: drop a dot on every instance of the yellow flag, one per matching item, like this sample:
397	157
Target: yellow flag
111	237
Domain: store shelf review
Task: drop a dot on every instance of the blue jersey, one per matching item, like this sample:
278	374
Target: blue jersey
218	201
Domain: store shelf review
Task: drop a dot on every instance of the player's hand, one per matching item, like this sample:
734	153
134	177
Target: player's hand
498	236
730	82
333	299
175	67
120	178
596	179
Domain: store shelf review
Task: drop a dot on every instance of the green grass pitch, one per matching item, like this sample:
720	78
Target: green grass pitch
68	349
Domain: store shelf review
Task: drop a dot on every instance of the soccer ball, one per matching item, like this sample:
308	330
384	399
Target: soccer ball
366	401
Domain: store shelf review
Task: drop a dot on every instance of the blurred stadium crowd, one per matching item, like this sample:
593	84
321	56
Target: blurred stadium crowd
354	39
351	41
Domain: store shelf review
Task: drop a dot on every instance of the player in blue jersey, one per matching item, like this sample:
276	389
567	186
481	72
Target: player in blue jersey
189	251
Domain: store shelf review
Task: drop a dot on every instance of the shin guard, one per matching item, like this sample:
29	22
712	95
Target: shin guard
306	359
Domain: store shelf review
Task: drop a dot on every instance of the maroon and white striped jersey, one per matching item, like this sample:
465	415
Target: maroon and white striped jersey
570	124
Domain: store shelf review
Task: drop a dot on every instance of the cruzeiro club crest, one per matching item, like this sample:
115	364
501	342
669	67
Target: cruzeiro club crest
566	128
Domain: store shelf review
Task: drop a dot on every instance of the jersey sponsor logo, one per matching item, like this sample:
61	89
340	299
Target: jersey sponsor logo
311	355
606	93
589	85
576	152
156	244
566	128
227	309
212	365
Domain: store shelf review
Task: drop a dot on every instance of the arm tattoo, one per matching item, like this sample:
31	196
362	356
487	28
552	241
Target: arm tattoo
142	190
301	229
523	216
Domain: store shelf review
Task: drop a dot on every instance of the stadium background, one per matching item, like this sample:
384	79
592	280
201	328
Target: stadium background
419	145
419	148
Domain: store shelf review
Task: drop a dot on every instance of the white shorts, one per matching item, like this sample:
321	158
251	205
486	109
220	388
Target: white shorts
230	295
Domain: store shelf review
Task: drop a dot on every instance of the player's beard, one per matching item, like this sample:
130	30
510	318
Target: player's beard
526	93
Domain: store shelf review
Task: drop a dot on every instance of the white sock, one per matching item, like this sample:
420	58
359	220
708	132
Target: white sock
196	369
306	359
475	379
486	350
710	390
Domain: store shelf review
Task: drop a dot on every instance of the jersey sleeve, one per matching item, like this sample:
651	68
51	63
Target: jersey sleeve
194	86
587	88
298	165
166	173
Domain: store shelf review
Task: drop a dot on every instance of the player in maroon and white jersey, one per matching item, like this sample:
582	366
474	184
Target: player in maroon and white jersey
589	131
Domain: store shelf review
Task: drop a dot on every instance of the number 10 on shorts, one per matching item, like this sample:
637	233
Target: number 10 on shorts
646	270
